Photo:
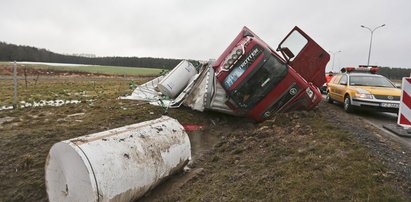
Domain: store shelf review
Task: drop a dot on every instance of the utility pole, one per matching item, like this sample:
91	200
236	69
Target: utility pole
334	52
15	85
372	32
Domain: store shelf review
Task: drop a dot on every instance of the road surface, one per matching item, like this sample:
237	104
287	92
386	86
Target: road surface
378	119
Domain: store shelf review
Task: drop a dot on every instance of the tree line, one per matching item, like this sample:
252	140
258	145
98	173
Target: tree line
11	52
394	73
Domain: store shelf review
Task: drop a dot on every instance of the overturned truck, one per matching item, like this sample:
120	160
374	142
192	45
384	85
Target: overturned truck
249	79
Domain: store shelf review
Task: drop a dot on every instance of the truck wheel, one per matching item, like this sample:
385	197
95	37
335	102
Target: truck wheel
347	104
328	98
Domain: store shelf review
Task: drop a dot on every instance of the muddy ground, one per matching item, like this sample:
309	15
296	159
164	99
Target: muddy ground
293	156
298	156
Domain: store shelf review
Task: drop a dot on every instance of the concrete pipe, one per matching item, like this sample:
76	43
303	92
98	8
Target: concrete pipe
116	165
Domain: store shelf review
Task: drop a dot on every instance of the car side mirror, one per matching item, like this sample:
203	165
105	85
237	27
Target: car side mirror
343	83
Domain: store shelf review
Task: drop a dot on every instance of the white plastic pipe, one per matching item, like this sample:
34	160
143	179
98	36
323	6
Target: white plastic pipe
116	165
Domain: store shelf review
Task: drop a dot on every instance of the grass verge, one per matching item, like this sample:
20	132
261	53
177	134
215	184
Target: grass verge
297	156
293	157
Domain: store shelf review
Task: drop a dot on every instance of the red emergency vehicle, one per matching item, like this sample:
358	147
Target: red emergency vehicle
259	82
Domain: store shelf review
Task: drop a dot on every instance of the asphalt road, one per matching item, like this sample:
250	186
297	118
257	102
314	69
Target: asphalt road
378	120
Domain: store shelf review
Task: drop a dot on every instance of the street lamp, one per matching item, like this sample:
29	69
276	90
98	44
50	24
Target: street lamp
372	32
334	52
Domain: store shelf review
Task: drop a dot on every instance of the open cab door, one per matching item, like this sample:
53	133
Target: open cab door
305	56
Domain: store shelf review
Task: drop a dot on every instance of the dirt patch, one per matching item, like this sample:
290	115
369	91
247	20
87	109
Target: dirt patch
297	156
5	120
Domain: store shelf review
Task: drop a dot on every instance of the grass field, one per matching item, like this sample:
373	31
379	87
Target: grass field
312	162
26	139
95	69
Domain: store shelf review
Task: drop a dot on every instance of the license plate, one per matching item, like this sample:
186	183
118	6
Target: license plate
390	105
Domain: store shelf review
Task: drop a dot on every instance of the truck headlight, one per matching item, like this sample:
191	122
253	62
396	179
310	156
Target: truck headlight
309	92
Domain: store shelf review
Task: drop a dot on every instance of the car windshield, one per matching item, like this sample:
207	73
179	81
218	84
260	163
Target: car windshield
370	81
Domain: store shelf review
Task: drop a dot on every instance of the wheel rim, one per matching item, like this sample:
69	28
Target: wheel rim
328	98
346	103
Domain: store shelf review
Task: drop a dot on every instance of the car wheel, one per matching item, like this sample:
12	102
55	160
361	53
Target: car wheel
347	104
328	98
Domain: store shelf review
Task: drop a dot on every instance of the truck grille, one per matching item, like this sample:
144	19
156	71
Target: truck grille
285	98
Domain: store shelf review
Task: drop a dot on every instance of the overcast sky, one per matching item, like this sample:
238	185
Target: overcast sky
190	29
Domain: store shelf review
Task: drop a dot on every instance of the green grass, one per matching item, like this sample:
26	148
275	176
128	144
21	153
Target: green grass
110	70
56	89
97	69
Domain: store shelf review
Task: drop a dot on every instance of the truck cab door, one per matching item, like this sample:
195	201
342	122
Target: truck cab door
305	56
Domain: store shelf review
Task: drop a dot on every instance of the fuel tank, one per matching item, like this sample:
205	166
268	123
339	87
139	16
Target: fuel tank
121	164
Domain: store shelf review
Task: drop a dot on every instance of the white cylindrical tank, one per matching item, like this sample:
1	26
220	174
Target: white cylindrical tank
177	79
116	165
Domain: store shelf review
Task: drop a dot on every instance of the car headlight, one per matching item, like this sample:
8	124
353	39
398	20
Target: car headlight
364	95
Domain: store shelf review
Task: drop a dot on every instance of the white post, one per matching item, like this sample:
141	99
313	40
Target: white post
15	85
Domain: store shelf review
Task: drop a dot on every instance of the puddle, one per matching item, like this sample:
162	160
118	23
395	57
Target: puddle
201	142
41	103
6	108
6	119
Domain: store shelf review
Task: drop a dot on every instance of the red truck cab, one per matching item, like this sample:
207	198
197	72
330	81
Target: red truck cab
259	82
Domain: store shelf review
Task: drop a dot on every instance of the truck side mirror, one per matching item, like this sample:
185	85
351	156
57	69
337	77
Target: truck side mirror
287	52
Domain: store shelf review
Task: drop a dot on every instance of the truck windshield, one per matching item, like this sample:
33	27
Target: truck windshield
268	72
